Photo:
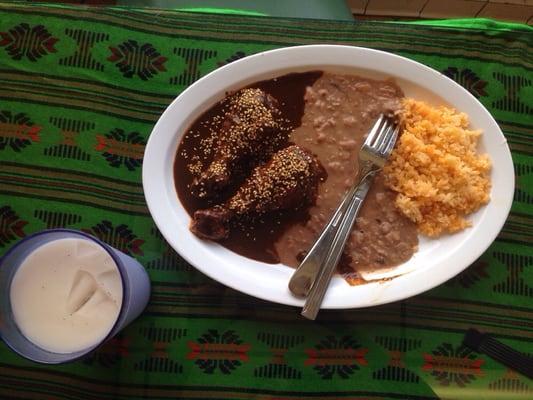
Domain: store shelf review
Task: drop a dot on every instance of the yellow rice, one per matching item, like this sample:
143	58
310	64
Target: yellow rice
438	174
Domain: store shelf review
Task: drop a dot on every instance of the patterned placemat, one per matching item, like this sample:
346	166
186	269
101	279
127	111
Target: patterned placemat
80	90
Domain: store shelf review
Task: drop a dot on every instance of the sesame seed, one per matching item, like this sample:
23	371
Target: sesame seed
249	121
289	169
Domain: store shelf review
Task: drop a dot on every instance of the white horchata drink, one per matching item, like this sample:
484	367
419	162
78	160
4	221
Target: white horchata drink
66	295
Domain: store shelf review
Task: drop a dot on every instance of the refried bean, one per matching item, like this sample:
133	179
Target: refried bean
339	111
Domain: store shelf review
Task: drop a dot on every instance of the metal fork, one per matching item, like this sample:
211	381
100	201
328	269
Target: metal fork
314	273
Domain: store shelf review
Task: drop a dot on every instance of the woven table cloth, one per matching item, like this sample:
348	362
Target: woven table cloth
80	91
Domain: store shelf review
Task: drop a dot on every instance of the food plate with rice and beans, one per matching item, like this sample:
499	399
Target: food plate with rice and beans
246	166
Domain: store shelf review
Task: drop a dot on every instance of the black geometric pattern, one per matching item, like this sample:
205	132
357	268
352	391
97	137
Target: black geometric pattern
132	58
159	360
396	370
57	219
521	193
159	364
472	275
511	384
515	283
193	59
121	148
234	57
30	42
11	226
279	345
68	148
336	357
17	131
218	351
120	237
163	334
512	101
169	259
468	79
83	58
110	353
453	365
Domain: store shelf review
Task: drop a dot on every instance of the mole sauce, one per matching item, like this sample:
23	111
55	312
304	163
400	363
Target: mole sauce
255	240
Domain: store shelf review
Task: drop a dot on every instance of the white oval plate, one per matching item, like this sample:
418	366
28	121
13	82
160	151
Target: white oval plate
434	263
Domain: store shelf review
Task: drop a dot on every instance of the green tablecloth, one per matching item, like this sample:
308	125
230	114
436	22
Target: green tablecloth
80	90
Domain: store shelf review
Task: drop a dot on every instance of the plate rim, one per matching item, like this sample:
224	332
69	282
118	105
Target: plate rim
150	166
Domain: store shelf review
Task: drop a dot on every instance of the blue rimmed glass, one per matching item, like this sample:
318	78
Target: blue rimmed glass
135	293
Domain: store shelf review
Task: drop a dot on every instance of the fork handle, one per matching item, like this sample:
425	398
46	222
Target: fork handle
320	286
304	277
